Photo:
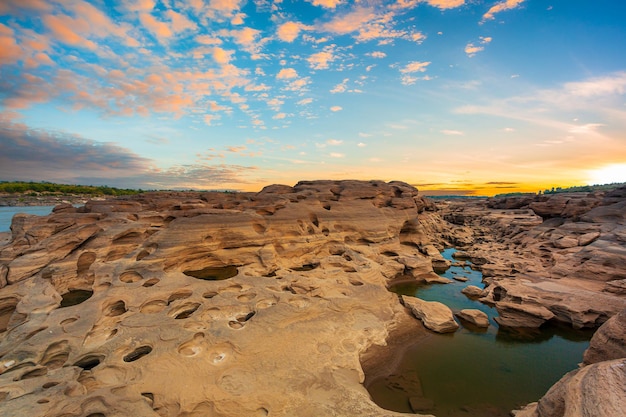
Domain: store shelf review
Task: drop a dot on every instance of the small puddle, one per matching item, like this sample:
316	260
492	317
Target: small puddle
475	372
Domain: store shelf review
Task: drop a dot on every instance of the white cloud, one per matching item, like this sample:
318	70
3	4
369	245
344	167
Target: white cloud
336	108
336	155
361	145
305	101
334	142
376	54
452	132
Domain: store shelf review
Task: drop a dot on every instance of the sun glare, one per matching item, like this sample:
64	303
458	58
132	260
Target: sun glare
609	174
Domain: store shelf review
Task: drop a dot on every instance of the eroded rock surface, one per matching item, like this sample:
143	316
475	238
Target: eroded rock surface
548	257
435	315
208	304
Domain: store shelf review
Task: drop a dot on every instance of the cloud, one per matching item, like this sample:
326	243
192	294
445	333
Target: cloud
446	4
334	142
415	66
305	101
349	22
58	156
377	54
600	86
328	4
337	155
10	52
286	74
471	49
452	132
289	31
320	60
336	108
361	145
500	7
341	87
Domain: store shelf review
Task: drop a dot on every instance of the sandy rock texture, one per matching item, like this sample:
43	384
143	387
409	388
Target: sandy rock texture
209	304
558	257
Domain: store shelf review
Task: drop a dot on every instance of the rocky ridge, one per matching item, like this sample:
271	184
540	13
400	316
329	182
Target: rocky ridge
208	304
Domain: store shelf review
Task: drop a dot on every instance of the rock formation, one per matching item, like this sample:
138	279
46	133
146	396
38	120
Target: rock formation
598	388
555	257
228	304
208	304
435	315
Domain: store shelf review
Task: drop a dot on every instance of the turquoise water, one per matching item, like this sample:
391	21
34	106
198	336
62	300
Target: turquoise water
7	213
476	372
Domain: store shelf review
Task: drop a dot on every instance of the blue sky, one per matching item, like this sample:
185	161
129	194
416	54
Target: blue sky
458	96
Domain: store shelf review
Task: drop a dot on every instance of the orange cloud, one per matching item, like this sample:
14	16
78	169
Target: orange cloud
14	6
350	22
500	7
10	51
446	4
288	31
160	29
328	4
180	23
320	60
286	73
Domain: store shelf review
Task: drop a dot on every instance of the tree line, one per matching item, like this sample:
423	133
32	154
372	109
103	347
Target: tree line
35	188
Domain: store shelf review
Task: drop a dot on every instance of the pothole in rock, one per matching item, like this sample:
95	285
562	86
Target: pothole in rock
7	307
138	353
184	311
115	309
213	273
75	297
89	362
306	267
241	320
130	277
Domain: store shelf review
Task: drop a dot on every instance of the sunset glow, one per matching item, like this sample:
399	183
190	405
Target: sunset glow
451	96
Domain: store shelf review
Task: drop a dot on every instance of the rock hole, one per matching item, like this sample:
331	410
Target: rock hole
259	228
326	206
306	267
181	295
314	219
498	293
325	231
96	415
68	321
209	294
244	298
184	311
355	282
129	277
389	253
213	273
89	362
150	282
147	251
75	297
34	373
138	353
245	318
7	307
149	397
49	385
154	306
115	309
43	401
56	355
84	263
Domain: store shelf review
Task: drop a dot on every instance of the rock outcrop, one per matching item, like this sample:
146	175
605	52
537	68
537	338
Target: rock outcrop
435	315
558	257
598	388
207	304
474	317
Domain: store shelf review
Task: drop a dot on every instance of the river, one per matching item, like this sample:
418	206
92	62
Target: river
7	213
479	373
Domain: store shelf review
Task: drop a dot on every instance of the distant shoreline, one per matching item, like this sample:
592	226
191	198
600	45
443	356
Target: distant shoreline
21	200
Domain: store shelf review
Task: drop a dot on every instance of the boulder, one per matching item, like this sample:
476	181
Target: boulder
435	315
609	342
472	291
474	317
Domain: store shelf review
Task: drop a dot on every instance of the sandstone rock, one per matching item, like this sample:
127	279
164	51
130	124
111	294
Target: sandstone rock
472	291
522	315
189	303
435	316
609	342
595	390
474	317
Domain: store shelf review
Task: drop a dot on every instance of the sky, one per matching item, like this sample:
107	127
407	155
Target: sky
451	96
